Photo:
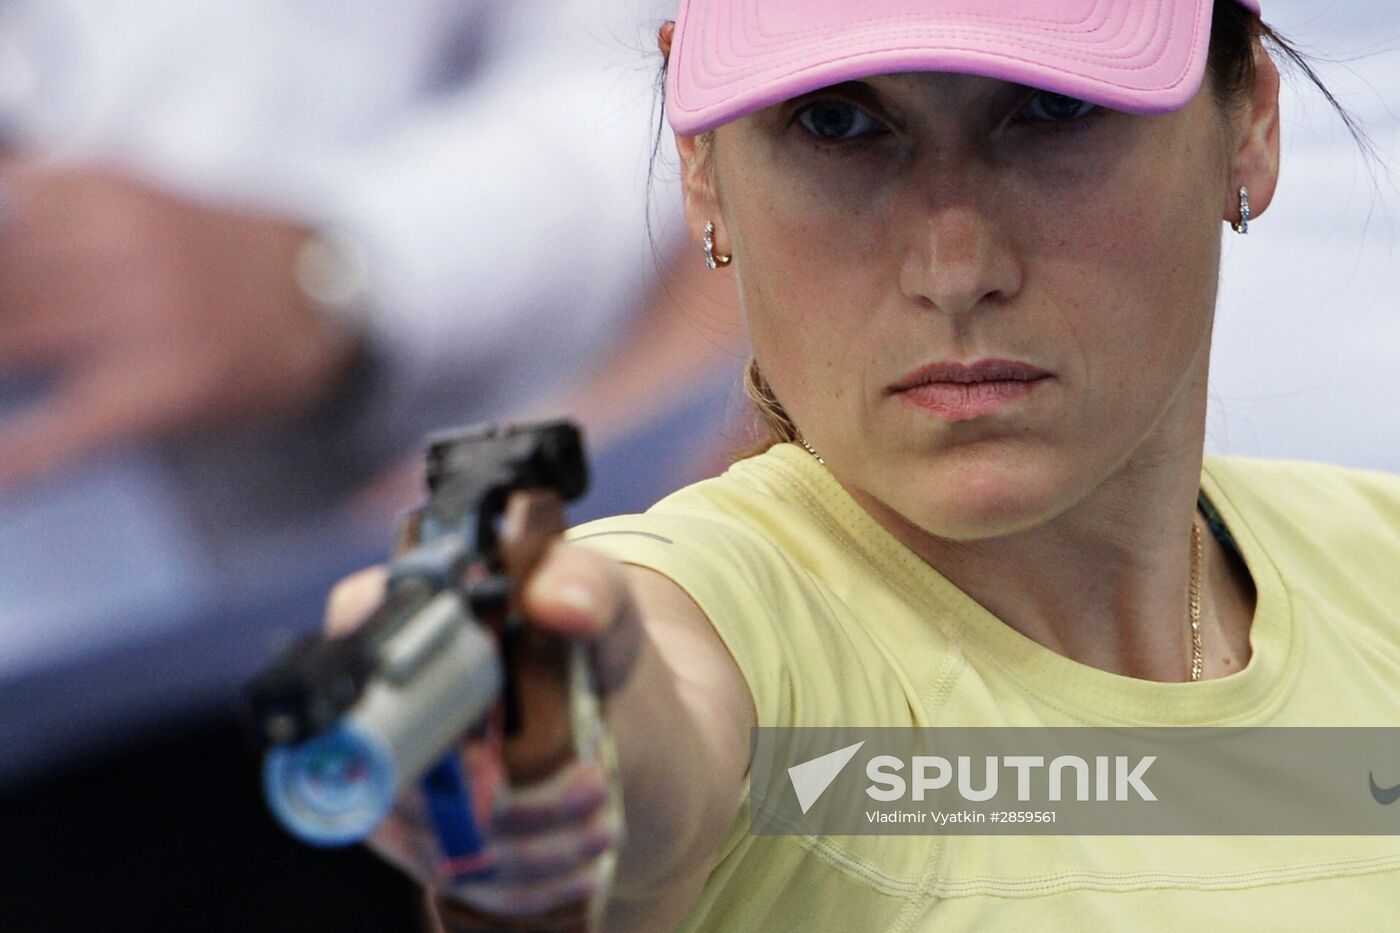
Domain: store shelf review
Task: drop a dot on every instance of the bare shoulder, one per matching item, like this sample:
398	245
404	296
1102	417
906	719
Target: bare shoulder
682	728
693	650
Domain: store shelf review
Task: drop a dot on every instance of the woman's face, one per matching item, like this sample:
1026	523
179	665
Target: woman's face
906	221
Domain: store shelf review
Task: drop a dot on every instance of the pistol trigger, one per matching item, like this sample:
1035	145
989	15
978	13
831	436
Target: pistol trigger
489	596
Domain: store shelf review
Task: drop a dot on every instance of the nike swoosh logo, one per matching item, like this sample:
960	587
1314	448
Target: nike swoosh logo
1384	795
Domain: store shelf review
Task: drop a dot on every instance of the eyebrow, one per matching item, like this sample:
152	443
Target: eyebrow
853	88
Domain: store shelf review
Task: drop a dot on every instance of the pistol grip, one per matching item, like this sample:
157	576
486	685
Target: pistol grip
447	793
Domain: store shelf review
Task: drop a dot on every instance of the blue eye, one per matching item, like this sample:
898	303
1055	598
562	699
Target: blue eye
1057	108
837	120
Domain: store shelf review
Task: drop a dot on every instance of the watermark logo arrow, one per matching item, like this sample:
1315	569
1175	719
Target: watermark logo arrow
811	778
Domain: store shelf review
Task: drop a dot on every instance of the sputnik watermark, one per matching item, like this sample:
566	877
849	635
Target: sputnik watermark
1069	781
932	773
811	778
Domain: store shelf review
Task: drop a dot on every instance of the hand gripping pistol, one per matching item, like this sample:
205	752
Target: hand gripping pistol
352	722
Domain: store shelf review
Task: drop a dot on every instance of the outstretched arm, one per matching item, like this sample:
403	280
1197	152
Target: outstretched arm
680	712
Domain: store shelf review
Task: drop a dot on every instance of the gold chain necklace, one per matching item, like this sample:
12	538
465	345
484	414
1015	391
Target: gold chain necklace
1198	663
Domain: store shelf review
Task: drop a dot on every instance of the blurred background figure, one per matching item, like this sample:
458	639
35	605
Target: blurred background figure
249	253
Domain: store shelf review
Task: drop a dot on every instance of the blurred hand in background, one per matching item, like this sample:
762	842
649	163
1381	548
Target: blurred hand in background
149	314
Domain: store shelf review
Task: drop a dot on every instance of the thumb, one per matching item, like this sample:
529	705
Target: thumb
578	593
353	599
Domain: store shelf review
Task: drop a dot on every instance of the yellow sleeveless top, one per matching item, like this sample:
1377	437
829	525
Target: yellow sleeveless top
832	621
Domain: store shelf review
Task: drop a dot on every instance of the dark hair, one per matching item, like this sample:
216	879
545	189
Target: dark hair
1230	69
1230	62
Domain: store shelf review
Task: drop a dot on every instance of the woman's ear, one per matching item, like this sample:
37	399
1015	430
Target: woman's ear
697	176
1254	161
698	188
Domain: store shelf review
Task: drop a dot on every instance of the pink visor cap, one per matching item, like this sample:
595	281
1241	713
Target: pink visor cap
732	57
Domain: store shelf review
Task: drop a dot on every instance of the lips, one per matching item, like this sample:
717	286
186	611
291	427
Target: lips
949	371
957	391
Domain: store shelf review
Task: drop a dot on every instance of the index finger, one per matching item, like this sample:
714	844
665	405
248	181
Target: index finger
354	598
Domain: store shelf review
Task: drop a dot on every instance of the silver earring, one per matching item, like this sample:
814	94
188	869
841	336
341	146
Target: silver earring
712	259
1242	227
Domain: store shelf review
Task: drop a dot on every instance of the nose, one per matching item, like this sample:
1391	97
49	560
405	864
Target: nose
960	254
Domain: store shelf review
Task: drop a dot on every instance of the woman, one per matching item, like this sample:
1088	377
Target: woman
977	247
